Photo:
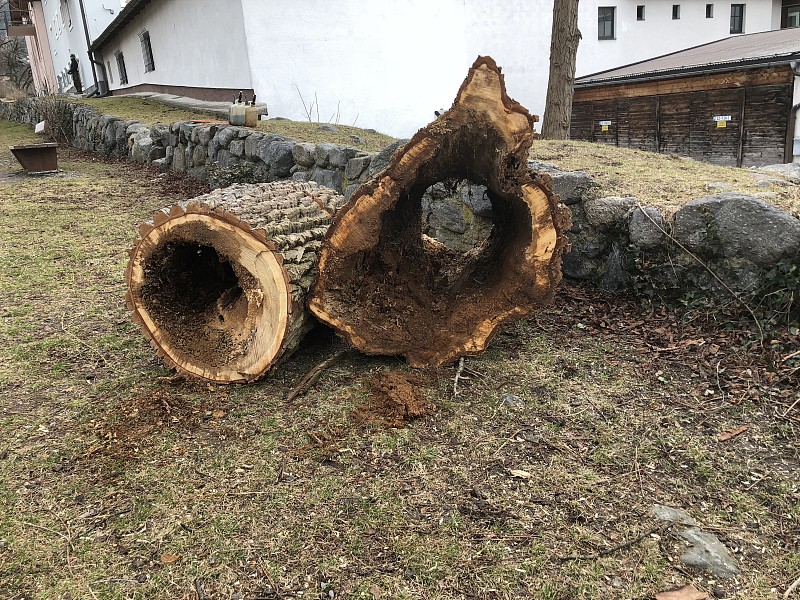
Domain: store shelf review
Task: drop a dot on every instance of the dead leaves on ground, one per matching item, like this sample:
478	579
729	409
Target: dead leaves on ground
687	592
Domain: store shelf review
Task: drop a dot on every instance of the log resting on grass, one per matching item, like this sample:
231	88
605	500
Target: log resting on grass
218	283
389	289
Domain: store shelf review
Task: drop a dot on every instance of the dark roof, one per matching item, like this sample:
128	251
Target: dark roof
740	51
125	16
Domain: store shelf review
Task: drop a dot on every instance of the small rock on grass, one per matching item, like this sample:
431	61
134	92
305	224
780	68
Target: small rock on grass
707	553
674	515
513	401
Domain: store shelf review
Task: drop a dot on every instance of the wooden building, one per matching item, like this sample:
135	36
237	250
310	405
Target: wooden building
730	102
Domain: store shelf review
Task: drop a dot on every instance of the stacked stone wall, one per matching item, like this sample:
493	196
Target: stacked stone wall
207	151
616	242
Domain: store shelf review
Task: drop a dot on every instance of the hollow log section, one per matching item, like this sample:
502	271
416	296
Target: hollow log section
218	283
389	289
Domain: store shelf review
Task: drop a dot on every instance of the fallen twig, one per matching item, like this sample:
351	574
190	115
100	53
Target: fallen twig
458	376
791	588
311	377
792	355
623	546
791	408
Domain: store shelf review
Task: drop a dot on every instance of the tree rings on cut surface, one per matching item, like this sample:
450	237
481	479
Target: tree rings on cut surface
389	289
218	283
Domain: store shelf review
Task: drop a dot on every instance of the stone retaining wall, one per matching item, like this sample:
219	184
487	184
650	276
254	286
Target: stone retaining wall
616	242
212	152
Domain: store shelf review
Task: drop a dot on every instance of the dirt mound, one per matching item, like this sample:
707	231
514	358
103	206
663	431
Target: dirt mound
396	397
131	428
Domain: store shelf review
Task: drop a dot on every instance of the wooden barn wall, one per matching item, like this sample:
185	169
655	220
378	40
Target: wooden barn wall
684	123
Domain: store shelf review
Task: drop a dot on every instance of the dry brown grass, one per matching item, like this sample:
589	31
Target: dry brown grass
150	111
664	180
119	481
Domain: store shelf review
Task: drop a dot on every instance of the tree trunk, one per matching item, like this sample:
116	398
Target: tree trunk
218	283
388	289
560	85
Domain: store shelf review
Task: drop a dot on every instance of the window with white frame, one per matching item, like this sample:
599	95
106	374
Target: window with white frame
606	15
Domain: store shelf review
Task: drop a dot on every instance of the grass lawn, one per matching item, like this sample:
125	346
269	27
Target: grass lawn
150	111
119	480
664	180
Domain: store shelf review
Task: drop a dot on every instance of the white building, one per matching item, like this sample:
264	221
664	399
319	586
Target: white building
54	29
627	31
383	65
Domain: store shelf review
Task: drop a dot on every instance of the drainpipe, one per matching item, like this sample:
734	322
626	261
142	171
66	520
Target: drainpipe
790	135
88	44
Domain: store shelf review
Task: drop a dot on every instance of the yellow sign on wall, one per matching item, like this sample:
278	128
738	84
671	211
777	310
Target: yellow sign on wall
721	120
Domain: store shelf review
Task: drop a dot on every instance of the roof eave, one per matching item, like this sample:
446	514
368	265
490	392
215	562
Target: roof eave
698	70
125	16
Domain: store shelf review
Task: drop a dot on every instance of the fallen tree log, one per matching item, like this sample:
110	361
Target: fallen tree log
218	283
389	289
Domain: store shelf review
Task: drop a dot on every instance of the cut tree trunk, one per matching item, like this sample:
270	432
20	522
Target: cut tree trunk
389	289
218	283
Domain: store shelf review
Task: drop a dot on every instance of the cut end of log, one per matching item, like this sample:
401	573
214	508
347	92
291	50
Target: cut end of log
388	289
217	298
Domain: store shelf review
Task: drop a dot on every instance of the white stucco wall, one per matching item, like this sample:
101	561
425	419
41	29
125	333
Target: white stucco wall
197	43
516	33
65	35
388	66
382	65
658	33
99	14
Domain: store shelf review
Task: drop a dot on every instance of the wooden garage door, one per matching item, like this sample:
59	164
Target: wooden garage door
744	126
766	120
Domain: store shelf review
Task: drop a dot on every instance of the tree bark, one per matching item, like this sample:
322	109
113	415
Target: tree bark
218	283
388	289
560	84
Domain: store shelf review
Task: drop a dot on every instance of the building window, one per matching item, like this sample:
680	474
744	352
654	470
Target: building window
66	16
709	11
676	11
640	12
108	71
147	52
123	73
790	15
737	18
605	22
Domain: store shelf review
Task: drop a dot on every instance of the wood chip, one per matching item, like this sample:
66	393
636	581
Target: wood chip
687	592
731	433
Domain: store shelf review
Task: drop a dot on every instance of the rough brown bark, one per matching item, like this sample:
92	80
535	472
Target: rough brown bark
563	51
390	290
218	283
